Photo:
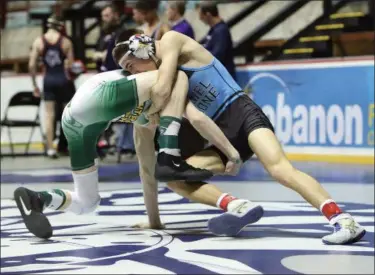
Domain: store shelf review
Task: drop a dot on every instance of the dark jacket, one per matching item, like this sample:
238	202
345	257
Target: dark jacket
219	42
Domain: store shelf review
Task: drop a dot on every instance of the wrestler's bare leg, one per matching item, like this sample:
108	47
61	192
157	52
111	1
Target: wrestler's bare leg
265	145
240	212
204	193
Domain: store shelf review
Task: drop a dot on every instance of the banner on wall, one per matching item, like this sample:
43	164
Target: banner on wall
325	106
316	108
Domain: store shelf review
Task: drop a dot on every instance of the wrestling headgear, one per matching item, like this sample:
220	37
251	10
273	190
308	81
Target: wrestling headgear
141	46
55	23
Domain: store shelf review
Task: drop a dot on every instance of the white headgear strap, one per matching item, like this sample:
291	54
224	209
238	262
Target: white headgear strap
122	59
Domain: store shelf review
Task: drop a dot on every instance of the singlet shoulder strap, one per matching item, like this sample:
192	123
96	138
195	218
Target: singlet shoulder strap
44	40
196	69
59	43
60	40
44	45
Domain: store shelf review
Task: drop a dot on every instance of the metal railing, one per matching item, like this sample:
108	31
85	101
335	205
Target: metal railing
245	47
329	8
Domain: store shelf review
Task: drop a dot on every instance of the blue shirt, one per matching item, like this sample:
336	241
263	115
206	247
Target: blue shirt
183	27
211	88
219	42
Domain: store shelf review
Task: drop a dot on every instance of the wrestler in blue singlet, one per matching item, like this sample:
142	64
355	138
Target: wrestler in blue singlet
214	92
211	88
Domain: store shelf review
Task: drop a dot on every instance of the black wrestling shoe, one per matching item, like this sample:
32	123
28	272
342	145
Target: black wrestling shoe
30	204
169	168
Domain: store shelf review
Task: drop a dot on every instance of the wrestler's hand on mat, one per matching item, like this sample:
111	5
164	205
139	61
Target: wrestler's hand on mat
146	225
233	166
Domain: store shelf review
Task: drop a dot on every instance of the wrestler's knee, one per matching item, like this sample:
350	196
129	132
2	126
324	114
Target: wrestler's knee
180	187
208	159
282	171
174	185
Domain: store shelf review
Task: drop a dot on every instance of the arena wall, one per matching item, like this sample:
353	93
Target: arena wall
321	110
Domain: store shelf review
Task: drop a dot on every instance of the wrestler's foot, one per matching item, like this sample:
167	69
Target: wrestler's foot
169	168
51	153
30	205
346	230
233	221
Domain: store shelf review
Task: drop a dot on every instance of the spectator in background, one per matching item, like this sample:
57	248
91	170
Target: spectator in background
146	11
218	40
139	18
175	12
110	25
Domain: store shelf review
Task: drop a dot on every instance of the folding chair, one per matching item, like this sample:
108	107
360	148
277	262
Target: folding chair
23	99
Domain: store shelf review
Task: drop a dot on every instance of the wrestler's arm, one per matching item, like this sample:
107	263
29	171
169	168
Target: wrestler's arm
163	30
68	49
170	48
144	146
33	64
211	132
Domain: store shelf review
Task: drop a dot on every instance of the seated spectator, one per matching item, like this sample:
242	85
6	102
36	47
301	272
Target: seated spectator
147	11
175	12
218	40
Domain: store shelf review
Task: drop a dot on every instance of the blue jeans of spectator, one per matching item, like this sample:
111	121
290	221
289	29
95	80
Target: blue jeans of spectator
125	140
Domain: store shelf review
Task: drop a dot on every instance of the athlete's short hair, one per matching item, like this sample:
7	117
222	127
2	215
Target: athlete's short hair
119	51
113	7
178	5
55	22
147	5
209	7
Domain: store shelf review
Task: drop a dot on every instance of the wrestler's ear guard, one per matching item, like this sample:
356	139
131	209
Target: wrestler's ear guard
141	46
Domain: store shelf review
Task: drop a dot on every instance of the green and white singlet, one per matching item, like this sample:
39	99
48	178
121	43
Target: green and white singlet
102	99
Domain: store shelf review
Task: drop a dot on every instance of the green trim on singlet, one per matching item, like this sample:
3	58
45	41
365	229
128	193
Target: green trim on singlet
117	98
135	89
82	147
84	124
